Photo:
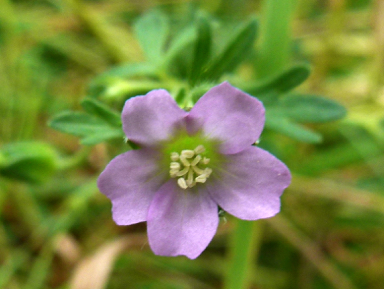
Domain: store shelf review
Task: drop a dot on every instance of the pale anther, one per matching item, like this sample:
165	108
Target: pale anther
186	166
174	156
196	160
199	149
175	165
173	172
201	179
207	172
182	184
187	153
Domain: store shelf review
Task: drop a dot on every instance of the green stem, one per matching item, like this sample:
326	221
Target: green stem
246	243
274	54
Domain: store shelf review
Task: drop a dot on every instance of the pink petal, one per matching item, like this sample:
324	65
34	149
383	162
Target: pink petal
130	181
228	115
250	185
152	118
181	222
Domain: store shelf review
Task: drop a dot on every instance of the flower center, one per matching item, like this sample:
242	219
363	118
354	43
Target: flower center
189	167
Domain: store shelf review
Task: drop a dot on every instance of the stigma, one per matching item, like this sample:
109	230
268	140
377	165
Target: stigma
190	167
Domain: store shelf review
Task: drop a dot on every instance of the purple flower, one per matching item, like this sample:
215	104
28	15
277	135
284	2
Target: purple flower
188	164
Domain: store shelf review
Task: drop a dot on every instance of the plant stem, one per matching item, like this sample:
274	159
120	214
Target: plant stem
246	243
274	54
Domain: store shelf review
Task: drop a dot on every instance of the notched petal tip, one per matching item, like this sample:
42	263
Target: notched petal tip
229	115
251	185
129	187
151	118
180	222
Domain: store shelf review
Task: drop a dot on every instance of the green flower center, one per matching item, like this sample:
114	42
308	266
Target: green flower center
190	167
190	159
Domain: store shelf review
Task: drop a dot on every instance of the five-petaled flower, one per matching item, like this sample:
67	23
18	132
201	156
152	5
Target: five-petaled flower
188	164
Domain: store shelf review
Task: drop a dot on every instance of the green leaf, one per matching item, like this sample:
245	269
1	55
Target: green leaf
100	84
311	108
180	96
99	109
198	91
101	136
28	161
129	70
284	126
77	123
152	32
283	82
234	52
181	41
92	129
202	49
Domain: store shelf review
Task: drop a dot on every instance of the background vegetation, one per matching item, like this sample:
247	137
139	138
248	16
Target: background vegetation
73	63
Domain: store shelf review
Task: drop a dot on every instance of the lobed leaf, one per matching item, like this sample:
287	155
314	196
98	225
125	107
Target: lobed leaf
234	52
283	82
128	70
181	41
202	49
311	108
284	126
101	136
28	161
93	130
152	31
97	108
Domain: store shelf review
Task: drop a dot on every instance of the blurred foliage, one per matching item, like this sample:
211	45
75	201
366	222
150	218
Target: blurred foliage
73	63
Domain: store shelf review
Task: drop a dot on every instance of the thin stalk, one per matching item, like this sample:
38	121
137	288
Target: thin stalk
245	245
274	54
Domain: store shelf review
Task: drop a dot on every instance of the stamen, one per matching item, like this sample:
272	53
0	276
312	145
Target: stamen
182	172
198	170
196	160
174	156
185	166
201	179
175	165
199	149
184	161
173	172
206	160
207	172
187	153
190	178
182	184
